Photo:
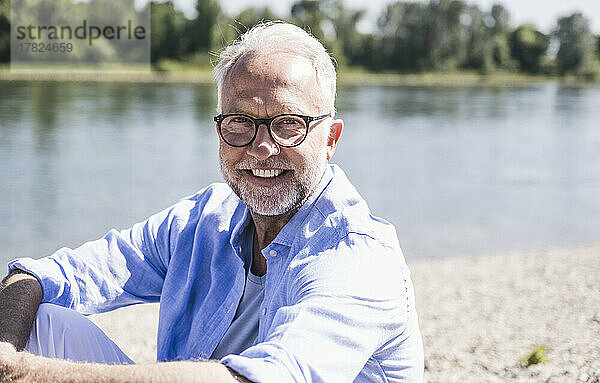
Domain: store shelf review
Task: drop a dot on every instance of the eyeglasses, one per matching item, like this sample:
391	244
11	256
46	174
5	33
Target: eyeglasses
287	130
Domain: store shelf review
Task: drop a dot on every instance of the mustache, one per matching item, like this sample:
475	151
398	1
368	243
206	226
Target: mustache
271	162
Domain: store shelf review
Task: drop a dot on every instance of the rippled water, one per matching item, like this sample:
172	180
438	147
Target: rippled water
456	170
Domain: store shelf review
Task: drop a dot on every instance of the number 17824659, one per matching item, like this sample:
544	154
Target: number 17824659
46	47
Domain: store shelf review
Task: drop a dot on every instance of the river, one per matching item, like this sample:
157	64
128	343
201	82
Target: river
457	170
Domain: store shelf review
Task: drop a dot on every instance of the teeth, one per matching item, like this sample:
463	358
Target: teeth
267	173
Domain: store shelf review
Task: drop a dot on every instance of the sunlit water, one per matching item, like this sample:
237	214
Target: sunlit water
456	170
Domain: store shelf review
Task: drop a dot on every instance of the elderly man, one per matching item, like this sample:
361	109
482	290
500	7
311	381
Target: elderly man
282	275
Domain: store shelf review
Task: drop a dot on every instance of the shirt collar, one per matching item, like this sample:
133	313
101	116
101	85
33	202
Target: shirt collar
238	238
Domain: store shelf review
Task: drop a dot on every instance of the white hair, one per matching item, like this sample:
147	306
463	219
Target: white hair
271	37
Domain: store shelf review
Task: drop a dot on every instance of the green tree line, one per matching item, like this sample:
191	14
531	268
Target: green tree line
440	35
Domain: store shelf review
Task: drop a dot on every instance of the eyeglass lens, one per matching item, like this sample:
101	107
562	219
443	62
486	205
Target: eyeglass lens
285	130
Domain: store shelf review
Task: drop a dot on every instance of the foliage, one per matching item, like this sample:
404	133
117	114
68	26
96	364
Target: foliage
309	14
319	17
168	27
577	49
351	43
537	355
202	29
410	36
229	29
528	46
403	36
444	35
4	30
251	16
175	37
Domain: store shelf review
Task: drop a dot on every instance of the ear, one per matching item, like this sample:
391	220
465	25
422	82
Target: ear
335	132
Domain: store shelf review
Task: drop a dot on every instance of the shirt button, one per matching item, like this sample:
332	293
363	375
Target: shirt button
264	311
272	253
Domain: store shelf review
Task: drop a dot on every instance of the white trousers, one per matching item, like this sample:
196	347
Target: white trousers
62	333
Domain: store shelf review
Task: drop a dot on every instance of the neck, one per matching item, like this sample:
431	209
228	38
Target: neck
267	227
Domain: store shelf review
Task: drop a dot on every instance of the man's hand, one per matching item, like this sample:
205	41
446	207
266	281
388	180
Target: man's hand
20	297
23	367
9	362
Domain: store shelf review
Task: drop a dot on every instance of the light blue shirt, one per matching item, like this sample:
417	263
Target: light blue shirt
338	303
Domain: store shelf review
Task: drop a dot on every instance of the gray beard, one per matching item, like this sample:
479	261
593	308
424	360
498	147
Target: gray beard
281	198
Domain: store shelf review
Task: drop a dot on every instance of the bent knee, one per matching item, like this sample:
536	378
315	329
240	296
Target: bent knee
59	332
51	316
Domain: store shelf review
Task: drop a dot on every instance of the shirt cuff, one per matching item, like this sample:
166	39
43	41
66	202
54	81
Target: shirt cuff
254	369
48	273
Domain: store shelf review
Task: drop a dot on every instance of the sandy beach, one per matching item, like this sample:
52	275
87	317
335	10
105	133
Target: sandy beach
480	317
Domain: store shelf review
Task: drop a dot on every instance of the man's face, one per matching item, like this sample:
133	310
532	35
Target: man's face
270	179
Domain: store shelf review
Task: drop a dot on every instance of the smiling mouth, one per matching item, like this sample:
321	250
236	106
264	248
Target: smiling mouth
266	173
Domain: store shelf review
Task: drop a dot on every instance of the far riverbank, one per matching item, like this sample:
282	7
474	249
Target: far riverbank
345	77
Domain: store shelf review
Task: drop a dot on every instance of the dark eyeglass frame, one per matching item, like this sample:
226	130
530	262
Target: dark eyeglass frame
267	121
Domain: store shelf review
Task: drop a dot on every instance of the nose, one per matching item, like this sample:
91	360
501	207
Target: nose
263	145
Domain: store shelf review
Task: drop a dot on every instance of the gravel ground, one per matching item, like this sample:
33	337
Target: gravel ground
480	317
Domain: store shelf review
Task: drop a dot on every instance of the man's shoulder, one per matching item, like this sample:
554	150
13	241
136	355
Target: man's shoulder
342	238
341	245
341	214
351	256
340	234
215	201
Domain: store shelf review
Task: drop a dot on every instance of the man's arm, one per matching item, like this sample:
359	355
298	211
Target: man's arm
20	297
341	308
24	367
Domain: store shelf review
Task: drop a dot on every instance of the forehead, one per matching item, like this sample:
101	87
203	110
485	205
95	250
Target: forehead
277	83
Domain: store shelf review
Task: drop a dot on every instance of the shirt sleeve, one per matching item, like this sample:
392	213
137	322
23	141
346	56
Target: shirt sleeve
122	268
345	304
